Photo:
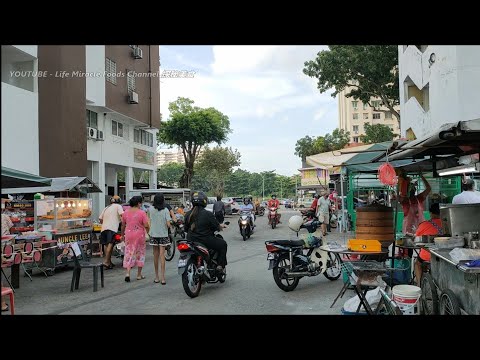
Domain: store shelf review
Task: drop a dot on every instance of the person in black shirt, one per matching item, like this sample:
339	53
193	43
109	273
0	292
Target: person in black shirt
201	224
219	210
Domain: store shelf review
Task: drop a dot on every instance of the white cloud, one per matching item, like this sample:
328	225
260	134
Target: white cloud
258	87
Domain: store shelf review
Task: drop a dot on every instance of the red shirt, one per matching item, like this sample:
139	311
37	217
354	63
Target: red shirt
426	228
314	204
273	203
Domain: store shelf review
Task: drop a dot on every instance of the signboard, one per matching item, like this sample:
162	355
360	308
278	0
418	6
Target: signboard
143	156
312	177
80	237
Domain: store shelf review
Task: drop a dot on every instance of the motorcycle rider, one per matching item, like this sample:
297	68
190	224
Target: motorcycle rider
200	226
273	202
248	206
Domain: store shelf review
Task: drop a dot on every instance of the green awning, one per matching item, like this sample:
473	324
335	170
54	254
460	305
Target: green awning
14	179
362	162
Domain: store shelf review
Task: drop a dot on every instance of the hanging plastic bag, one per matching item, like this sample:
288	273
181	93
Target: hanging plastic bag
387	175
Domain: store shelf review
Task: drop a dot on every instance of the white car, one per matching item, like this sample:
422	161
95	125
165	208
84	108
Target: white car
211	200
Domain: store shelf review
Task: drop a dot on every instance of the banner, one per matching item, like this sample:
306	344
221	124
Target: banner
143	156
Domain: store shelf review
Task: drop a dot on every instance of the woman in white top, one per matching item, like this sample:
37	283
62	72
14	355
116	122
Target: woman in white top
160	219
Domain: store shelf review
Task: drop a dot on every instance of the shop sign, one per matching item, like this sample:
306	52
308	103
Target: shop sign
66	239
143	156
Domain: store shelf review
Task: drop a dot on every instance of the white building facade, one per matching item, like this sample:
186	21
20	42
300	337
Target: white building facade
439	84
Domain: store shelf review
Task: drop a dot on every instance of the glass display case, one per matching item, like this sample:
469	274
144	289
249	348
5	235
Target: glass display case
63	215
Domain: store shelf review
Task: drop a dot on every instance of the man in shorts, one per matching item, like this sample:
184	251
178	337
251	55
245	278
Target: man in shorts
323	208
110	219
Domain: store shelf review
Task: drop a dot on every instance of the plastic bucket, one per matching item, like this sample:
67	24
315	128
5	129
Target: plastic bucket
406	297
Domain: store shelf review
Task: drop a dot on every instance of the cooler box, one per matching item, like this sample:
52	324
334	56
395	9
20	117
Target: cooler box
364	245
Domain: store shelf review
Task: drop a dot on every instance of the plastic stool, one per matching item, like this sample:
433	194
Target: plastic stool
8	291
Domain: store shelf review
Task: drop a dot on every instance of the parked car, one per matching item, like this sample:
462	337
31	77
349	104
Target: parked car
211	200
288	203
228	201
237	201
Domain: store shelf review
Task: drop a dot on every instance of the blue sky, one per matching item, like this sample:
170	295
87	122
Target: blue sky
262	89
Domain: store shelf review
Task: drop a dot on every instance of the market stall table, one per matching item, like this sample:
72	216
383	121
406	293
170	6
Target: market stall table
361	287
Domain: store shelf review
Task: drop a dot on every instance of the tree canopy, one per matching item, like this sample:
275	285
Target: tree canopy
307	145
192	127
170	173
370	71
376	133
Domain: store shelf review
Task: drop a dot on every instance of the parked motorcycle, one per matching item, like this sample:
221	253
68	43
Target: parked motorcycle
170	249
291	260
273	217
198	265
245	225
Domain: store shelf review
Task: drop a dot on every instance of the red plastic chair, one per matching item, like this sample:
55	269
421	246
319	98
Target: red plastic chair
8	291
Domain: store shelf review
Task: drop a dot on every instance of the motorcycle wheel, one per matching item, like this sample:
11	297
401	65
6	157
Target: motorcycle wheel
334	269
288	284
170	249
190	279
244	236
274	223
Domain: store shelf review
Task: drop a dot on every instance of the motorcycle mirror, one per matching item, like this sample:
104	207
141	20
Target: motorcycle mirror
227	223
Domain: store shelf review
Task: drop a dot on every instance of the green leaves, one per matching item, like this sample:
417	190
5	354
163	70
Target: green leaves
368	70
192	127
170	173
376	133
307	145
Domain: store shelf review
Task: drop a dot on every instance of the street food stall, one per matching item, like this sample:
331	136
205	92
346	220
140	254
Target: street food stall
61	217
451	283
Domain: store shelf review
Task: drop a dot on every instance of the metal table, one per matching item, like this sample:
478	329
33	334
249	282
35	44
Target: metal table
359	285
457	281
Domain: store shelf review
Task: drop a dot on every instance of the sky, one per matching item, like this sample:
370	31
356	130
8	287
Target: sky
262	89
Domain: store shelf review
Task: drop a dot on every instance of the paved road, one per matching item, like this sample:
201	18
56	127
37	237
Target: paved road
249	288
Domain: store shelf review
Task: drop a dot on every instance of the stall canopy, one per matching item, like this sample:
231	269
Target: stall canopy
14	178
61	184
336	158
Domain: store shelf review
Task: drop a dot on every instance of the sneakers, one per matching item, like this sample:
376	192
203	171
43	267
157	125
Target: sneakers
221	269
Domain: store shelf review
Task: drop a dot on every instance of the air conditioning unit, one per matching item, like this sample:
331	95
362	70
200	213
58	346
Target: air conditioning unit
133	97
100	135
91	133
137	53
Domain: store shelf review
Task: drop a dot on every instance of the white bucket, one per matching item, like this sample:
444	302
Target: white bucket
406	297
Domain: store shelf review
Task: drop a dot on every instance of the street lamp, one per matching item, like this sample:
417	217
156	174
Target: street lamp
263	185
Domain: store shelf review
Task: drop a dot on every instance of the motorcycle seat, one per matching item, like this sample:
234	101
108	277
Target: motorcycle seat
291	243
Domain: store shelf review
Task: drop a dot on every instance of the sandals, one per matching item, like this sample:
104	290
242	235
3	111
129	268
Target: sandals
127	278
141	277
108	267
164	283
6	309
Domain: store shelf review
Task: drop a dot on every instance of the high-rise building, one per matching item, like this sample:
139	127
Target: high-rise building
353	114
438	85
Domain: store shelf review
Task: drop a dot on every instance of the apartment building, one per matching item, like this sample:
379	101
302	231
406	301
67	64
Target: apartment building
438	85
88	111
353	114
20	143
173	155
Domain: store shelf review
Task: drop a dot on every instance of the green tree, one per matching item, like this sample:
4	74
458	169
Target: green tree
170	173
192	127
215	165
376	133
338	140
370	70
306	146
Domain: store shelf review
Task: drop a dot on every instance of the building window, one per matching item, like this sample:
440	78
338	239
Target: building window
376	116
355	116
111	71
119	129
365	106
376	103
92	119
388	115
130	81
143	137
365	116
355	129
355	139
355	104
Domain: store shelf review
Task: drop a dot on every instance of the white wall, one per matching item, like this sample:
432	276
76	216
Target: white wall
29	49
95	64
453	80
20	129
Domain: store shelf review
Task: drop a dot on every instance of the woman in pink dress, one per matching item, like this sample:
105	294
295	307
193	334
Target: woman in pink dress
135	226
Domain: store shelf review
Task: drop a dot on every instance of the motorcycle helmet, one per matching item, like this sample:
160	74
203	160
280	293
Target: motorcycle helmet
199	199
246	201
295	222
274	196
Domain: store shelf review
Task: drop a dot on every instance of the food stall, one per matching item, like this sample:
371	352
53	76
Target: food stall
61	217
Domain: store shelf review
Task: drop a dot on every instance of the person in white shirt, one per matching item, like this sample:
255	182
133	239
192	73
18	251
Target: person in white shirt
468	195
110	219
323	207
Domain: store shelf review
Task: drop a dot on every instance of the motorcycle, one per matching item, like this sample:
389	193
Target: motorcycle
273	217
198	265
260	211
289	262
245	225
308	215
